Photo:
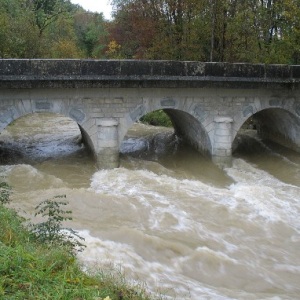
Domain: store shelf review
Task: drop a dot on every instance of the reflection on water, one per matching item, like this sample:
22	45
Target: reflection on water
47	141
146	145
275	159
168	216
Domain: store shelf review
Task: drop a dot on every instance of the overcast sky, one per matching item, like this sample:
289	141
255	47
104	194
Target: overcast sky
95	6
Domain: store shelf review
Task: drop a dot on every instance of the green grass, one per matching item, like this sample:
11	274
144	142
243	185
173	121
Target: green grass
33	270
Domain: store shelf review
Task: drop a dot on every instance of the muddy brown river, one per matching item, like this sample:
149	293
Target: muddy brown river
168	218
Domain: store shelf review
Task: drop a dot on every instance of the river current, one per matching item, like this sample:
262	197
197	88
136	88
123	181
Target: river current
168	218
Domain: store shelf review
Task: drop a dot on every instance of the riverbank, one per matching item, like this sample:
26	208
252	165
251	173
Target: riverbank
33	270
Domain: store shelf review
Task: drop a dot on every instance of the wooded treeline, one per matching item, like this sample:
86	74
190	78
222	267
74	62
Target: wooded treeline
256	31
209	30
50	29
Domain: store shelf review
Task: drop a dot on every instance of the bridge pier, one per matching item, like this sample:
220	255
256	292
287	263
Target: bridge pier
107	151
222	150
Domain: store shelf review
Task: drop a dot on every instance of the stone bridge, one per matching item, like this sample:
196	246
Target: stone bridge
207	102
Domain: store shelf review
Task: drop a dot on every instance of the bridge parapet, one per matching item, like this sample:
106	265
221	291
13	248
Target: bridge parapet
27	73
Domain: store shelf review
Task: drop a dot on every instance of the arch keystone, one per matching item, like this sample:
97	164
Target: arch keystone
107	122
221	119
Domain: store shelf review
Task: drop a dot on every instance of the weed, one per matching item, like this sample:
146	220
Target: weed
51	230
5	191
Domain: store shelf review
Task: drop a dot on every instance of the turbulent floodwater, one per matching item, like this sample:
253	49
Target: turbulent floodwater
168	217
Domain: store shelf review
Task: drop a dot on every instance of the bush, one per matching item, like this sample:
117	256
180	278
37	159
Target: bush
5	191
51	230
157	118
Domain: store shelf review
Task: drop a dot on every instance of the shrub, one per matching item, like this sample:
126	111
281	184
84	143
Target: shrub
5	191
157	118
51	230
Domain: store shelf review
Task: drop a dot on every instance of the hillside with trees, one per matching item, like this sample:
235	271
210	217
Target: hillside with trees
255	31
50	29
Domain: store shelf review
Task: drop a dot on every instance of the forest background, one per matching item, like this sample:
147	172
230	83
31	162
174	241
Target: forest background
254	31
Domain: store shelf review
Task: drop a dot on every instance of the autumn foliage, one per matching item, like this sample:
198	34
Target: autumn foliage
256	31
208	30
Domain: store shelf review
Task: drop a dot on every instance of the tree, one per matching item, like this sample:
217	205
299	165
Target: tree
4	34
47	12
18	32
91	32
215	30
157	29
134	28
264	31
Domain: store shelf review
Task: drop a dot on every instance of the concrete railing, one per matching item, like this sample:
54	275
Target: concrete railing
27	73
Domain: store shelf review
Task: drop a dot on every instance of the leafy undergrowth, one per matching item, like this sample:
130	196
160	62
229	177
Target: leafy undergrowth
35	269
157	118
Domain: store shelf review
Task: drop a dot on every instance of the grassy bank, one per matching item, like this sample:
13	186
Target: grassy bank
31	269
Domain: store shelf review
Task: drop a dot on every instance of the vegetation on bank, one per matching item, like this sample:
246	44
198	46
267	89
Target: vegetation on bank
36	263
157	118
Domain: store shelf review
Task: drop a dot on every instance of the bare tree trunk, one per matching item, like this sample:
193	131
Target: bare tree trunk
212	36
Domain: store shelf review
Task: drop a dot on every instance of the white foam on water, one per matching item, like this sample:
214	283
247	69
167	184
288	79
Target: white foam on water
256	195
264	195
163	196
221	227
294	269
178	277
158	278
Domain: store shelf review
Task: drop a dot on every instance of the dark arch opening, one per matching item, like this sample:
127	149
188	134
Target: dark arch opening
186	128
181	148
38	137
151	136
273	125
279	126
190	130
269	139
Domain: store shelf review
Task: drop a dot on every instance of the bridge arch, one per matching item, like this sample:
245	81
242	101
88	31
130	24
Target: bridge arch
280	124
16	109
191	130
186	124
